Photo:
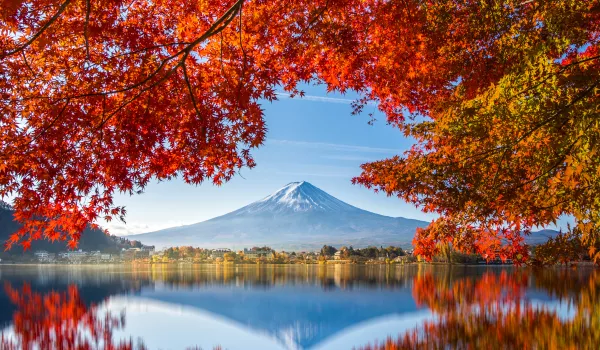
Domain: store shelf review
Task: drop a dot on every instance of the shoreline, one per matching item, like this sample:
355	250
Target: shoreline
182	264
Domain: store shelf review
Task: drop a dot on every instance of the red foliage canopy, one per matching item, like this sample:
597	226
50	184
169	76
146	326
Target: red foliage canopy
103	96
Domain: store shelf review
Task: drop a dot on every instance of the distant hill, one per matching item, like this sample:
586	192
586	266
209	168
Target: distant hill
90	239
539	237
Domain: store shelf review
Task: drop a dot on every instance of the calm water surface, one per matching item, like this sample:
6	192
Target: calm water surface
298	307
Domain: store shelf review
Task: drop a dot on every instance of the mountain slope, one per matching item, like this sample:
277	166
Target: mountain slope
298	216
90	239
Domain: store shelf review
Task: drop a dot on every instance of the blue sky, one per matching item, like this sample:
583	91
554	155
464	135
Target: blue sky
314	139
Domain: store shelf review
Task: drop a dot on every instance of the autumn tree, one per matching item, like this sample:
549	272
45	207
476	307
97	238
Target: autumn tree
564	248
506	124
392	252
98	97
344	252
230	256
328	250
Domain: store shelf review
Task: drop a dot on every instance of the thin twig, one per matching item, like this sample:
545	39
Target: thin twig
61	9
225	76
315	18
537	127
213	30
549	75
47	127
134	52
216	28
193	98
85	29
244	58
27	64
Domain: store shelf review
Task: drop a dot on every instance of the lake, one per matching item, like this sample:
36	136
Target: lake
298	307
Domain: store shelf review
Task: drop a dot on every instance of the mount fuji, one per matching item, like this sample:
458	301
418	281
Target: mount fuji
299	216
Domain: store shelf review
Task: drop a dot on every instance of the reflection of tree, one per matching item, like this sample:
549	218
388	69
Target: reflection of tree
60	320
330	277
492	312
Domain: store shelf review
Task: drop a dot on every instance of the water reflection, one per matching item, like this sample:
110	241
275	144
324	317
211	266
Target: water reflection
494	311
59	320
297	307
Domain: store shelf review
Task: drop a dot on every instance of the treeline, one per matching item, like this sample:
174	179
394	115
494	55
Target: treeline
187	252
370	252
446	254
327	251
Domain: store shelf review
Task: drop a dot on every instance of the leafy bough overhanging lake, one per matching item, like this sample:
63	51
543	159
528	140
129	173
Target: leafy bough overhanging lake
500	98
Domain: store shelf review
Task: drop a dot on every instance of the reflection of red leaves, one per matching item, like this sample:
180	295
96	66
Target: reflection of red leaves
490	312
58	320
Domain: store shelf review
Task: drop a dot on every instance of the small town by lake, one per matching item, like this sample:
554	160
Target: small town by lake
319	306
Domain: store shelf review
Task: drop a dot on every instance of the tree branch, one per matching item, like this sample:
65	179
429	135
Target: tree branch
193	98
27	64
47	127
216	28
222	64
537	127
53	19
85	29
133	52
244	57
549	75
315	18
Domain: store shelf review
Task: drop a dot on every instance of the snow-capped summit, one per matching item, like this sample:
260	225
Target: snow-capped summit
297	197
298	216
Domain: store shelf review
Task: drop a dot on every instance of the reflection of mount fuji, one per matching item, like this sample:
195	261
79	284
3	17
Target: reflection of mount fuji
296	316
280	316
269	308
191	327
298	216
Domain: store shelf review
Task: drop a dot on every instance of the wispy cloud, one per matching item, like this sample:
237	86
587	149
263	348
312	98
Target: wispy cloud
349	158
316	174
335	146
132	228
319	98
